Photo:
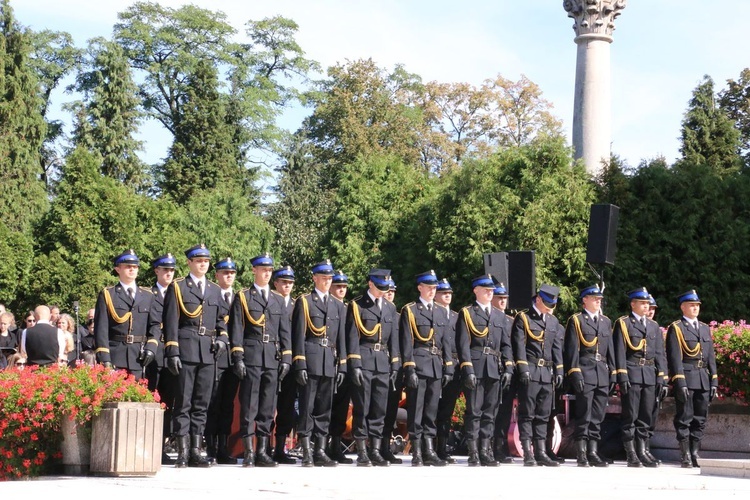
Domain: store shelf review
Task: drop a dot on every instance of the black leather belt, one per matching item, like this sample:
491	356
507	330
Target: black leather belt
325	342
128	339
199	330
377	347
487	350
595	357
698	364
642	361
540	362
265	338
432	350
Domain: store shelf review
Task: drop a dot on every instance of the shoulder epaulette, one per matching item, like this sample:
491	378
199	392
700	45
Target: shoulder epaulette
177	280
623	318
109	287
212	282
277	293
145	288
357	298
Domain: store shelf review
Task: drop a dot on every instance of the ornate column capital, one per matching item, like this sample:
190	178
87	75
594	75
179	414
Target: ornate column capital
594	18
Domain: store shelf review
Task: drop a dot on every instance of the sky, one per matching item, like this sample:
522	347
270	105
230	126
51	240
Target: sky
661	50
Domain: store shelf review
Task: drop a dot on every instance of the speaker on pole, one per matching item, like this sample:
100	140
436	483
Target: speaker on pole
602	239
521	279
496	264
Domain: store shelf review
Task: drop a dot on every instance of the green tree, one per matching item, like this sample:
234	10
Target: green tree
108	118
708	135
22	128
735	100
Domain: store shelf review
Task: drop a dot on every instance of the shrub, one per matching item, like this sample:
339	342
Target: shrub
732	346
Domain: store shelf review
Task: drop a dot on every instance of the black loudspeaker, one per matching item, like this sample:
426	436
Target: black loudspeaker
521	279
602	242
496	264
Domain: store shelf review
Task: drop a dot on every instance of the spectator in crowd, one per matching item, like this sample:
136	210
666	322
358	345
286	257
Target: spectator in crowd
7	339
43	343
87	338
66	324
54	314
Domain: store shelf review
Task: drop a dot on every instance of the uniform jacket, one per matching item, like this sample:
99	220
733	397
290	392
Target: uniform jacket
690	355
580	360
313	325
253	320
535	338
112	344
372	335
424	340
158	308
225	361
477	332
635	342
183	333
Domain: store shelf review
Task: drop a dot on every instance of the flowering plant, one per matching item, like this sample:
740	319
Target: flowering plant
33	402
457	419
732	346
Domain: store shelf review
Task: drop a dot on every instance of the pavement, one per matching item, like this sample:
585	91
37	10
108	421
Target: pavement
348	481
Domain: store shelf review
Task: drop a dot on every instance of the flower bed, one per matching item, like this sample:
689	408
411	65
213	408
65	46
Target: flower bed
33	402
732	346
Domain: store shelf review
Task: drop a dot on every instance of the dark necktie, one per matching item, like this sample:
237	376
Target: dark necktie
325	297
643	322
263	294
131	292
594	318
377	302
429	307
200	286
226	297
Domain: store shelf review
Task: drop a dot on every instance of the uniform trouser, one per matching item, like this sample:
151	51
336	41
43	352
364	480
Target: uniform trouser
654	418
505	411
690	416
370	401
340	408
258	400
194	385
591	405
421	408
221	408
315	402
285	414
481	409
166	384
637	411
447	405
391	410
534	409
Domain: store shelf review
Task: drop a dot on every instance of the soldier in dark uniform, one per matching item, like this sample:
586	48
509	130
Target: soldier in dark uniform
195	334
661	394
126	326
428	366
483	344
537	339
639	354
452	390
692	371
342	395
589	359
283	283
318	337
159	378
261	354
508	383
226	383
395	393
373	363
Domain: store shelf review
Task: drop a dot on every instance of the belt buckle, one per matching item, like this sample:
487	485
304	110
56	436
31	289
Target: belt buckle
486	350
202	330
541	362
266	338
324	342
129	339
700	364
642	362
433	350
376	347
598	357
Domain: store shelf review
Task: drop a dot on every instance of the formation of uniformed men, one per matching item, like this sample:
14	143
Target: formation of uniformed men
200	342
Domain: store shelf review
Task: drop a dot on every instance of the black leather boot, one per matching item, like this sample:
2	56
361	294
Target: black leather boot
593	455
485	453
279	453
632	457
502	453
528	455
416	453
307	452
222	453
695	447
442	450
385	452
640	450
550	452
375	457
648	452
336	452
211	449
686	461
262	459
473	453
320	459
182	443
363	459
248	459
540	455
196	459
581	453
429	457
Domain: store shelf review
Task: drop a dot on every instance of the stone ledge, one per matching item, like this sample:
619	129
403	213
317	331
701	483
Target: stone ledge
725	467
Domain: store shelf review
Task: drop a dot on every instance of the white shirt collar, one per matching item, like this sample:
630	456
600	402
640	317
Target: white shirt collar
592	315
637	318
426	304
202	280
541	315
162	289
321	295
262	288
372	297
126	287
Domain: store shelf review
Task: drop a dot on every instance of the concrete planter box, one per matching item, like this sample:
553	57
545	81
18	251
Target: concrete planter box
75	447
126	440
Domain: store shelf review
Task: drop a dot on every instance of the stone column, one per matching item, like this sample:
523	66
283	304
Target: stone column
592	109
